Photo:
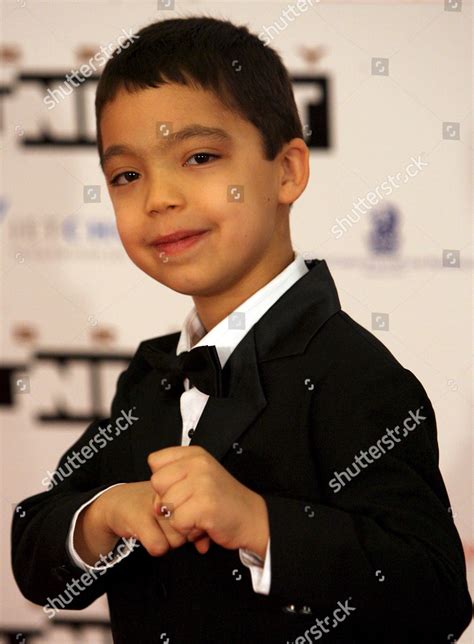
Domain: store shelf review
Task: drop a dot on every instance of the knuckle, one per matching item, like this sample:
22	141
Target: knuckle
157	503
173	537
202	460
177	541
208	503
207	483
175	527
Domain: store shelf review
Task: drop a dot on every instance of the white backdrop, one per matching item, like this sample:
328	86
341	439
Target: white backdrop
399	79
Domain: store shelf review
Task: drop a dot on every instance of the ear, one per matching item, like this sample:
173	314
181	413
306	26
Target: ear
294	170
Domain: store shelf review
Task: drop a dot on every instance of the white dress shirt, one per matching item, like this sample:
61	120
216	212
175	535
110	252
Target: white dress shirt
225	336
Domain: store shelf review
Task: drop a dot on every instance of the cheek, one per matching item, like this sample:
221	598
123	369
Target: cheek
128	231
123	227
124	216
246	231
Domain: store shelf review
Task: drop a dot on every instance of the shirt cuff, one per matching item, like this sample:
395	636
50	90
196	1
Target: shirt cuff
114	557
260	571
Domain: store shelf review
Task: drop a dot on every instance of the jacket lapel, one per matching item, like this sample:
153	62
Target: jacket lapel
285	329
223	420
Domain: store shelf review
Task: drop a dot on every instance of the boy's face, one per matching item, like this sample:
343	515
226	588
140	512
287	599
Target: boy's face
172	187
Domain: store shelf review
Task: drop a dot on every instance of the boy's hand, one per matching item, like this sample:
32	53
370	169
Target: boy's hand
124	511
203	496
200	538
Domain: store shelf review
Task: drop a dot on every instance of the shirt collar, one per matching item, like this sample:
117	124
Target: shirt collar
227	334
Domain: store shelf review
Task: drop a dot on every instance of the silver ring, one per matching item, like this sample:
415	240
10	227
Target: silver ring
165	512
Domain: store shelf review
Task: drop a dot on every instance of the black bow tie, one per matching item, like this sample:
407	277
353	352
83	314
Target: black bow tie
201	365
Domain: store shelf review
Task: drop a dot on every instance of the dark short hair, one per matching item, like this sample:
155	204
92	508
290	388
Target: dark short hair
246	75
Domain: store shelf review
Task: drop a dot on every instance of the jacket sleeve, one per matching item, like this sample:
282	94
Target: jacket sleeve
41	563
383	533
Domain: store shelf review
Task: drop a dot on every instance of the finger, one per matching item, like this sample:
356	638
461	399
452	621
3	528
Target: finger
202	545
195	534
165	507
188	515
168	475
174	538
166	455
152	537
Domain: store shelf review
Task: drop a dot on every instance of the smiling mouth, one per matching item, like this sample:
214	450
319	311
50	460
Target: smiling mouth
175	247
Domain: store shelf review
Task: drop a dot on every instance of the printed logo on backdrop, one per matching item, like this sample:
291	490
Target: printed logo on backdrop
54	378
381	228
383	219
314	110
52	237
86	629
60	375
384	237
4	204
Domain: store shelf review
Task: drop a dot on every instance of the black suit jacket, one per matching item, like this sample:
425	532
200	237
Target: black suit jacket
309	388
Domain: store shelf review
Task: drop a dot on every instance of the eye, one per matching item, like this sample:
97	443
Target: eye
203	154
114	181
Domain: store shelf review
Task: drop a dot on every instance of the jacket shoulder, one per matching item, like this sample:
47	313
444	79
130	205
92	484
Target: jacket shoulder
357	356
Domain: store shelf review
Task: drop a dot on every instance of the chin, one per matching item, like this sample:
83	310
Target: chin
193	287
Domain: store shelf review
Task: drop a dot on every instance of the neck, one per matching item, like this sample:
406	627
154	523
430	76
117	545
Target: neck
213	309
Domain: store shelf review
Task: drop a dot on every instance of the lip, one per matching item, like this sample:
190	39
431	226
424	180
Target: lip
180	242
176	236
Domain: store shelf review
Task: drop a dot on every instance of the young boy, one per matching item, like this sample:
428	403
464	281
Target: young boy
226	498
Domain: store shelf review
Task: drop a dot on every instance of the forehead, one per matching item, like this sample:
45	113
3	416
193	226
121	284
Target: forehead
167	108
155	120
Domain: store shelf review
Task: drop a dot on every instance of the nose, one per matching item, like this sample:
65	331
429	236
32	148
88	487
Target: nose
164	192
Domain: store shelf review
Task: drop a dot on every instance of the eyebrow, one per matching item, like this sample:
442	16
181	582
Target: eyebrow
190	131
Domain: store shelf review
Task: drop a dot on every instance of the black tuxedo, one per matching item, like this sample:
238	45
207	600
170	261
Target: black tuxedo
308	389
